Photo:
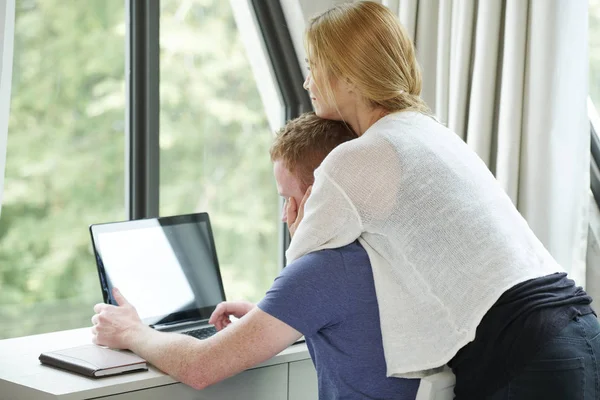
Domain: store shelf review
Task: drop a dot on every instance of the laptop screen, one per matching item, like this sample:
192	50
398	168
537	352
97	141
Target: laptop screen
166	267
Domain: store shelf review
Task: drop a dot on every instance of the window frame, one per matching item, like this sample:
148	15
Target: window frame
287	70
595	151
142	76
143	108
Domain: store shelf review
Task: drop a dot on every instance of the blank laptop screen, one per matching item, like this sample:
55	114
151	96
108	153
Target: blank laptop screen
167	268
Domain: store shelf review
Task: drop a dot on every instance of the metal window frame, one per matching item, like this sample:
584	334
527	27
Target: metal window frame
143	76
595	162
287	70
143	109
280	47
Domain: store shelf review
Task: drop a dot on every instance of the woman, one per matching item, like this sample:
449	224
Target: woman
460	277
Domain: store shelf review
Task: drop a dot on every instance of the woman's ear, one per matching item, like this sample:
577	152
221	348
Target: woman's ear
350	86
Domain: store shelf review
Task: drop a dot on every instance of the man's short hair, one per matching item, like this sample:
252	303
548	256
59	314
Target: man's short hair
303	143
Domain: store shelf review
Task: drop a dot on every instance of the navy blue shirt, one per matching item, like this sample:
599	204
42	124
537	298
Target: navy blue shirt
329	296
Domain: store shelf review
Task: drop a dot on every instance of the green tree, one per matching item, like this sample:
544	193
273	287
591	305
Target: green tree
212	117
64	160
65	157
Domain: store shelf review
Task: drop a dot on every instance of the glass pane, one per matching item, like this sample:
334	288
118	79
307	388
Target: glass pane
214	141
65	160
594	38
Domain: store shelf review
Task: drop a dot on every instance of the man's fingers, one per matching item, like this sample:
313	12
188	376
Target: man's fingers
302	203
306	196
219	310
121	300
100	307
292	215
218	315
220	318
292	210
219	323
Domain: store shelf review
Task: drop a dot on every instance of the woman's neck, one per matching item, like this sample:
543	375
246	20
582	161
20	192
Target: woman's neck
364	117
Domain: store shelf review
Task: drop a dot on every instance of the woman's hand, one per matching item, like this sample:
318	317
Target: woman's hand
295	213
115	326
220	318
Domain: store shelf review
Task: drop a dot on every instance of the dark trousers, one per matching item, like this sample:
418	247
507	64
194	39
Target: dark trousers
566	368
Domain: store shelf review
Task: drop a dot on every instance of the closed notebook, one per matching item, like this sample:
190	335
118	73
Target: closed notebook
94	361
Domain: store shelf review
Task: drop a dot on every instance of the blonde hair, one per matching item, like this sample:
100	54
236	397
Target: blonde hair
303	143
365	44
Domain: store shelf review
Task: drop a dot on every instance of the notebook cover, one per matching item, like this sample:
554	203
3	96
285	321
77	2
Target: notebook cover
90	359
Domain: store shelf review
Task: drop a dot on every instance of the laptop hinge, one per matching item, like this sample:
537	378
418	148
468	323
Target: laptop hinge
171	326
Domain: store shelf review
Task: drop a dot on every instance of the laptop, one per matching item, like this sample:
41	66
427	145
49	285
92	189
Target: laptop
166	267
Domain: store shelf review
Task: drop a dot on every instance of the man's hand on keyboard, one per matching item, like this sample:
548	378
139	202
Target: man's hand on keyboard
220	318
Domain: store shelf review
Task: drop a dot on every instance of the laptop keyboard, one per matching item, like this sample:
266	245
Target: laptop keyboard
202	333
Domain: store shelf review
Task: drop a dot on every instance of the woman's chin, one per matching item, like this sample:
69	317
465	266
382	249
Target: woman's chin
327	114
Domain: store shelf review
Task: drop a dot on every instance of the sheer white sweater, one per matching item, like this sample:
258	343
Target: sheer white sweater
443	238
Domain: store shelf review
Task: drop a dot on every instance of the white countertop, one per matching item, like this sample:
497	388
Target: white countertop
23	377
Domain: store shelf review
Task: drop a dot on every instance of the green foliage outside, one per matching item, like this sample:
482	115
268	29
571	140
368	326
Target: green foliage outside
66	144
212	117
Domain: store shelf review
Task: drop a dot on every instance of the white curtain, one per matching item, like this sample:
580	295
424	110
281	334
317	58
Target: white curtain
7	32
593	253
510	77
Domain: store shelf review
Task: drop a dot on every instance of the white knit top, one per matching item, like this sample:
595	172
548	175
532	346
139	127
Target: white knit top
443	238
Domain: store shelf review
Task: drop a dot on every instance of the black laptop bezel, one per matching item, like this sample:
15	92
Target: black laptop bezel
202	313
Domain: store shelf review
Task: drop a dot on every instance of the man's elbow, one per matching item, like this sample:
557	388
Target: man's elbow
199	385
202	377
194	372
197	380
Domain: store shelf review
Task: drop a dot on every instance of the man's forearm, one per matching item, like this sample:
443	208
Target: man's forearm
180	356
200	363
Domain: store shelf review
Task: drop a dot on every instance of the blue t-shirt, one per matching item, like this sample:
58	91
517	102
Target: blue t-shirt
329	296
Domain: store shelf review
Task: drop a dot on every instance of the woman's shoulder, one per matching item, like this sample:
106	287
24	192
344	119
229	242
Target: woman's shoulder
357	159
373	140
406	131
351	152
406	122
385	143
380	137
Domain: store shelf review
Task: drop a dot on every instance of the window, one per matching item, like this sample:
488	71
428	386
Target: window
65	160
594	43
594	100
68	163
215	136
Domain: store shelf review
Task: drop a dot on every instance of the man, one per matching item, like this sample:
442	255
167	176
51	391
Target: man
328	296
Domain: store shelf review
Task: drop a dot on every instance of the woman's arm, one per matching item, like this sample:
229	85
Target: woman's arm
326	219
355	190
